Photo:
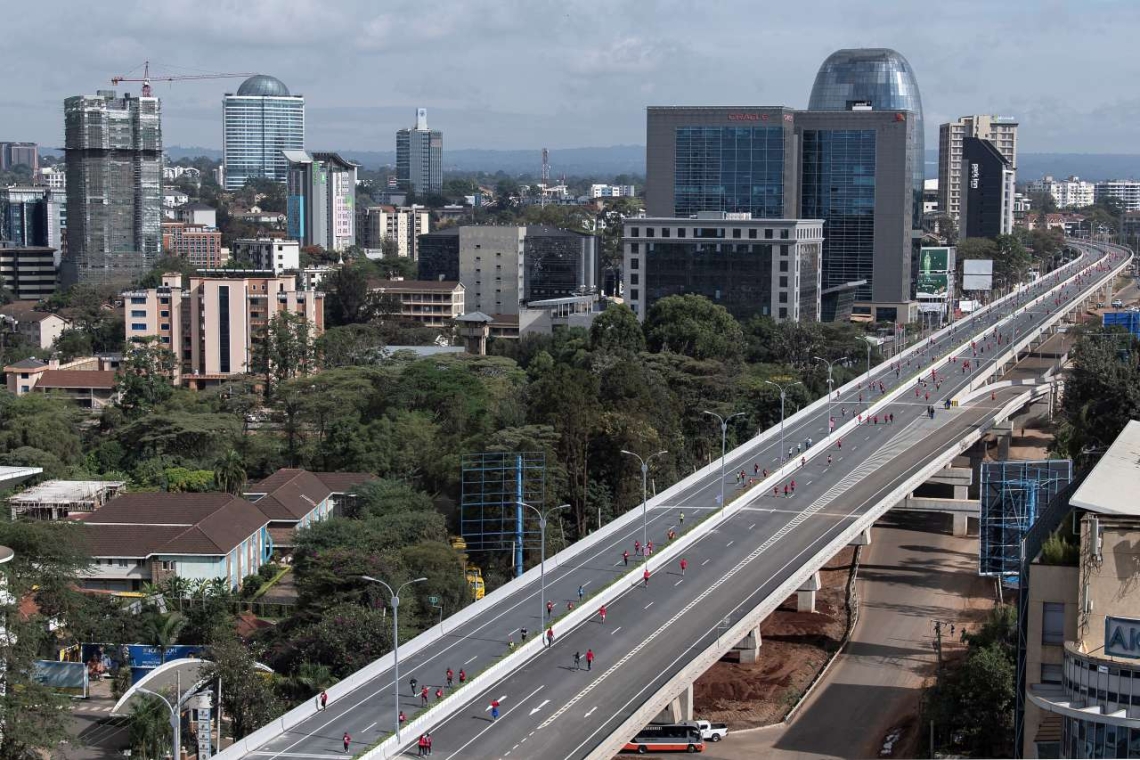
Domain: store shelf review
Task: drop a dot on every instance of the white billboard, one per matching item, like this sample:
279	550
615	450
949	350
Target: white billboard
978	274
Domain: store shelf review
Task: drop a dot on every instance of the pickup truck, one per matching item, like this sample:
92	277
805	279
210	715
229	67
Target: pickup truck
710	732
1118	304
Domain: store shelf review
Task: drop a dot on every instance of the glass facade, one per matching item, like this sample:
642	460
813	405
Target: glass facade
257	124
730	169
838	186
736	275
877	79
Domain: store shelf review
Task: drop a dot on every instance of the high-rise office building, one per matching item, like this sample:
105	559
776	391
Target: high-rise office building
321	199
988	187
24	216
419	157
852	169
13	154
1001	131
259	122
113	147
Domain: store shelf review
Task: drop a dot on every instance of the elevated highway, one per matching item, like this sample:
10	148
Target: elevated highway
742	562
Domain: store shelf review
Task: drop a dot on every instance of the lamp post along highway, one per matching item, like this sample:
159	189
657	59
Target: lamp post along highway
645	493
783	389
395	637
830	383
723	438
542	520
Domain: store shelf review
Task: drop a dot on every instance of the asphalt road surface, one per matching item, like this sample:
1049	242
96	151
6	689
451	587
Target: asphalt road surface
547	708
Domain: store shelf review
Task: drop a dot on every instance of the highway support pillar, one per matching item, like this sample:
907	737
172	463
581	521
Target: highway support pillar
749	646
863	539
679	709
961	521
805	597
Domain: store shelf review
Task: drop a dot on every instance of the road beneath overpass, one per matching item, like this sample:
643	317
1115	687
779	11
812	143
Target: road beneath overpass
551	710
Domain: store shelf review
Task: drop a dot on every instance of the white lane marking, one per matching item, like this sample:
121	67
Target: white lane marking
459	750
753	525
370	727
298	754
649	605
730	543
473	659
545	702
615	630
617	563
587	715
704	563
587	583
678	583
500	699
807	483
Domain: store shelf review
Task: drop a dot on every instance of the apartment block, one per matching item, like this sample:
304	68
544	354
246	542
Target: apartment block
433	303
402	225
39	328
1001	131
1127	191
89	382
268	254
198	244
29	273
212	325
1067	193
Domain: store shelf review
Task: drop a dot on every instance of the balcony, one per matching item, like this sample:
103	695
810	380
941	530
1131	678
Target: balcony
1095	689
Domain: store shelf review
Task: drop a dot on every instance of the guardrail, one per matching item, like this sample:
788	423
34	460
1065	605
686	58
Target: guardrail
457	700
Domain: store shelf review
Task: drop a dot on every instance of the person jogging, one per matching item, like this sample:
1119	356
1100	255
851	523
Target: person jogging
577	661
589	659
581	592
602	613
645	577
451	675
637	547
625	557
462	676
549	608
523	632
347	741
684	564
421	745
413	683
324	699
424	697
494	709
829	460
438	693
682	518
550	636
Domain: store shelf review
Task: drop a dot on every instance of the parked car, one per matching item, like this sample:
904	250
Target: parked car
710	732
1118	304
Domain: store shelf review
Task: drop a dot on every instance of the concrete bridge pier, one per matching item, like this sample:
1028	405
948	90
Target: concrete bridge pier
805	597
680	707
863	539
749	646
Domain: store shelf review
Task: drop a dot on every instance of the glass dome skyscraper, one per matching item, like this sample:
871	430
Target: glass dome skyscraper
258	123
877	79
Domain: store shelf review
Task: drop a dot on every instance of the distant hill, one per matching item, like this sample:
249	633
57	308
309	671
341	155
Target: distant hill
630	159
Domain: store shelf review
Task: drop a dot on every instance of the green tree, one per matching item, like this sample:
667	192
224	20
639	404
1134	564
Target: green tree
284	349
184	480
1102	392
229	472
149	727
694	326
617	330
143	379
350	345
348	295
349	636
247	692
162	630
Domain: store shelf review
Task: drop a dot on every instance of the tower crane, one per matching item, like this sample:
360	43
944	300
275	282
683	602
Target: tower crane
146	78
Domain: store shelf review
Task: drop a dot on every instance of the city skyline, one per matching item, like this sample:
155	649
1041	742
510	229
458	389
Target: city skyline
588	78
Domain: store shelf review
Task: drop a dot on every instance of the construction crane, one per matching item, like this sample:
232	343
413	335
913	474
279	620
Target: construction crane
146	78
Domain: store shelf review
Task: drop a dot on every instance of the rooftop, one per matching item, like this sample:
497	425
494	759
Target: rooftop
403	286
1108	489
263	85
66	492
77	378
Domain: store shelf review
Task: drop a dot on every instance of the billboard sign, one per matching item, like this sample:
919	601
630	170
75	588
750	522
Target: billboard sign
978	274
932	260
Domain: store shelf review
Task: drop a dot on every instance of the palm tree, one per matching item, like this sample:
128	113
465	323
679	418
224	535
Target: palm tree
149	728
162	631
229	473
177	587
310	679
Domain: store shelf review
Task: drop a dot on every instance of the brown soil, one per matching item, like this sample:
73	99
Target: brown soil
795	646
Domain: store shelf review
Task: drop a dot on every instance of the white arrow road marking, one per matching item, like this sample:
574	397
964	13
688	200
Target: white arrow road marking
587	715
545	702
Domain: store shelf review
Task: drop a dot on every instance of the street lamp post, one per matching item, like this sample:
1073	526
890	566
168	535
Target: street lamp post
645	492
542	519
830	382
395	637
723	439
175	711
783	397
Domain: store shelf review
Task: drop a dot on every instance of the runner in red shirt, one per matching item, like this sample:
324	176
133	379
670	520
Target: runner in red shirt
684	564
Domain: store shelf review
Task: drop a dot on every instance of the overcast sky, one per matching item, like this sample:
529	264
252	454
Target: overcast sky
505	74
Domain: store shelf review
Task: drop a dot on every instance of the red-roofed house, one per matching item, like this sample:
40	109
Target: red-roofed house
148	537
88	381
294	498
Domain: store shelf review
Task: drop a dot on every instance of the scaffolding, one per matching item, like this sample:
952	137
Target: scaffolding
1012	497
58	499
496	484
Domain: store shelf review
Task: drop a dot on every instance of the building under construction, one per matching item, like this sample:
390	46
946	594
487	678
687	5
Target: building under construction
1013	495
113	147
58	499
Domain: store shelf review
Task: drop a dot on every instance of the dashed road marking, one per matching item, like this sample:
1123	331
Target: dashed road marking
730	543
678	583
704	563
615	630
649	605
473	659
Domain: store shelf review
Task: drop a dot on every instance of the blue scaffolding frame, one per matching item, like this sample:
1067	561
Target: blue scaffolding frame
1012	497
495	484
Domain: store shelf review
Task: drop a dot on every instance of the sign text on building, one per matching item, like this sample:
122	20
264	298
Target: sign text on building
1122	637
748	117
974	175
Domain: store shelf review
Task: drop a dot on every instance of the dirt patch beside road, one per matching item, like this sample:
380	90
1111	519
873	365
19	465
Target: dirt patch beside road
795	646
